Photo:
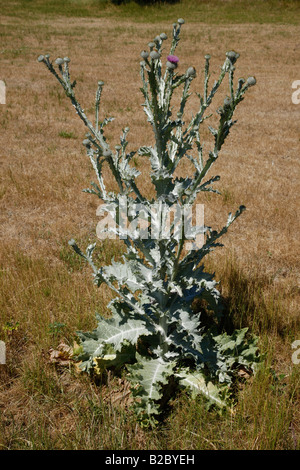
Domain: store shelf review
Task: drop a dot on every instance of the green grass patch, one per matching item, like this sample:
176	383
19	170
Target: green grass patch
207	11
67	135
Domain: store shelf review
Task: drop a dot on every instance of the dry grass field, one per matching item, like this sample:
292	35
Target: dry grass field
47	292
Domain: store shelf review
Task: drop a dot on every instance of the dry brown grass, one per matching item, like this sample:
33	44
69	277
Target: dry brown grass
42	205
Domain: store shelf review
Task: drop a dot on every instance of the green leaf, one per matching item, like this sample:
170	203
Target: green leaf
122	273
145	151
198	385
114	331
115	359
147	377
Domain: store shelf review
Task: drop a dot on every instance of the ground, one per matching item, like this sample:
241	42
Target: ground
47	293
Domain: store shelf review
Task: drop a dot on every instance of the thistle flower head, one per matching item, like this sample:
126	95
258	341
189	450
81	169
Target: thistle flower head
151	45
251	81
154	55
145	54
232	56
163	36
171	65
107	153
227	102
180	21
59	61
173	59
86	142
191	72
41	58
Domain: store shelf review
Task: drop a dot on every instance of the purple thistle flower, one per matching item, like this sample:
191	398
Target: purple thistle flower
173	59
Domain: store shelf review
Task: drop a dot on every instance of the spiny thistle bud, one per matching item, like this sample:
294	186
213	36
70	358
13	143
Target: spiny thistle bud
180	21
232	56
86	142
118	147
67	60
170	65
251	81
191	72
151	45
207	57
41	58
107	153
227	102
145	54
59	61
163	36
100	83
154	55
157	39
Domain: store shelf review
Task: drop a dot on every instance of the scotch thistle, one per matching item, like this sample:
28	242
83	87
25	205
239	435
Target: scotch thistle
154	333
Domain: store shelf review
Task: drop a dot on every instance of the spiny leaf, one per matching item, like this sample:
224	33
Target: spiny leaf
198	385
114	331
147	376
116	359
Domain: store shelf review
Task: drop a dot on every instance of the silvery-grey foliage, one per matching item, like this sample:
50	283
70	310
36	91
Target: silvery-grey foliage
153	331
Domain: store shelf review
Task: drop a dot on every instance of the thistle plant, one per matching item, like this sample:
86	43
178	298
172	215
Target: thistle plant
154	332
